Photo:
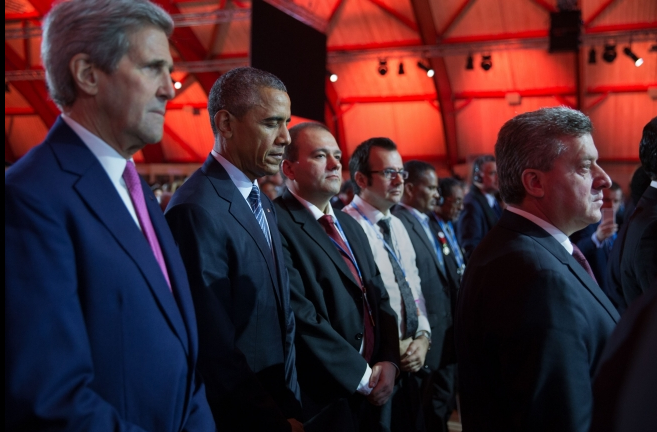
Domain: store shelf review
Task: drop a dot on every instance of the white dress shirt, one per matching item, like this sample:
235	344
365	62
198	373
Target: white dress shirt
551	229
361	211
111	161
364	385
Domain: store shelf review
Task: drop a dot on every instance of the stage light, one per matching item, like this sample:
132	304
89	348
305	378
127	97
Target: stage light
592	59
177	85
469	64
638	61
486	62
333	77
383	67
401	68
609	54
430	72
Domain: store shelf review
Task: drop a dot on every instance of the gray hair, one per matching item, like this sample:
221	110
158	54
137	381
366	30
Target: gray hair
534	140
98	28
237	91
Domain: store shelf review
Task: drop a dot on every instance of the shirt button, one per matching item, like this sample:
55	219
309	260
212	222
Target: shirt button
359	336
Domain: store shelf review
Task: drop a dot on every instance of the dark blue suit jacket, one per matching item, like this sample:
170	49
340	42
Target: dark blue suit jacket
242	300
94	338
531	325
476	219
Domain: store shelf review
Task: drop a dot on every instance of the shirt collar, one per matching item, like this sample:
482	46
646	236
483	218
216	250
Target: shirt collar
653	184
418	214
370	212
491	199
111	161
312	208
551	229
241	181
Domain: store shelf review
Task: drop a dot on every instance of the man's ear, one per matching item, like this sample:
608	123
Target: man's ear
361	180
286	167
409	188
223	123
534	182
84	73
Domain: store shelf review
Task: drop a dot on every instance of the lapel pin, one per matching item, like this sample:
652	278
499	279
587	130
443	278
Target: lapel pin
268	211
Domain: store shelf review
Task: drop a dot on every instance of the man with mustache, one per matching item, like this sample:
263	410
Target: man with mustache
531	322
100	333
378	173
228	237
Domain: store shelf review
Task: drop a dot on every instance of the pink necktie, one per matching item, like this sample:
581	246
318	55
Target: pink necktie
133	183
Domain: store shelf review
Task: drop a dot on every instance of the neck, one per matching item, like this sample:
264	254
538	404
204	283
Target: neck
379	204
85	115
320	202
222	148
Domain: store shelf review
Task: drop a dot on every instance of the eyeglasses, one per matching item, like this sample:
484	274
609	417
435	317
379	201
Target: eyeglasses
392	174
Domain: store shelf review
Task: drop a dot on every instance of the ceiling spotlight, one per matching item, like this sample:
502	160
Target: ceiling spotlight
383	67
430	72
401	68
638	61
177	85
333	77
592	59
486	62
653	48
469	64
609	54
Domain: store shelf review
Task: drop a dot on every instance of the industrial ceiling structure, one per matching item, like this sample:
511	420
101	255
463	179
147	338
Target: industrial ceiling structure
439	77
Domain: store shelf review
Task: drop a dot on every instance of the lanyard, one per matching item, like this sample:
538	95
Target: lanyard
378	235
451	240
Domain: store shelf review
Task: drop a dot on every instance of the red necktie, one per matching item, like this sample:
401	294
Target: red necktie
581	259
328	224
133	183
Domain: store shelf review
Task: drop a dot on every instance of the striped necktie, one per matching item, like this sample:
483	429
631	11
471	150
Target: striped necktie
256	208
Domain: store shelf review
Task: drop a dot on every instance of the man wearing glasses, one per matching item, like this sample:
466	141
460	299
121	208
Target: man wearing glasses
376	168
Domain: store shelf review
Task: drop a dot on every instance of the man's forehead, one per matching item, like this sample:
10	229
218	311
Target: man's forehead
317	139
389	158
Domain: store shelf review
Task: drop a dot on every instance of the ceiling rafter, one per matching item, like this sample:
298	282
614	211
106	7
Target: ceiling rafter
545	5
457	15
34	92
195	157
603	7
395	14
424	19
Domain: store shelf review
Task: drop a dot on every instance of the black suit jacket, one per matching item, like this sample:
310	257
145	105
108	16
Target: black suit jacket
95	339
476	219
435	287
241	294
531	325
638	262
328	306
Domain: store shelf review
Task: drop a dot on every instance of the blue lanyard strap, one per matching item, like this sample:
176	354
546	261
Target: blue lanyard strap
378	235
452	241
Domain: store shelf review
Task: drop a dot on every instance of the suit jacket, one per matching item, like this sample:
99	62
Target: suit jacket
328	306
638	262
596	256
241	294
624	386
530	328
476	219
94	338
434	285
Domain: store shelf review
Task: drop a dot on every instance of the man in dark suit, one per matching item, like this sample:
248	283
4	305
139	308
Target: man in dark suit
100	332
229	240
346	337
531	322
481	210
637	243
436	377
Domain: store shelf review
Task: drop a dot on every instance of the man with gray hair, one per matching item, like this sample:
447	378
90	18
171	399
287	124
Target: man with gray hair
531	322
228	236
100	332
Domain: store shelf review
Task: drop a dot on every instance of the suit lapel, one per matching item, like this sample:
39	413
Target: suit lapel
419	230
519	223
314	230
96	190
239	209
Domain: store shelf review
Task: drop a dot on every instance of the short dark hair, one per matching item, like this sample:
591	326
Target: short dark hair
638	185
447	185
237	91
291	151
347	186
534	140
648	148
360	159
614	186
416	169
476	165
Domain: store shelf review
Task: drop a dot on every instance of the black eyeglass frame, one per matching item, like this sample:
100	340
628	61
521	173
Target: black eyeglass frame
392	174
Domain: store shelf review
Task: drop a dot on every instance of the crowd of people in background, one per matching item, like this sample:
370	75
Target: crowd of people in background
266	293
